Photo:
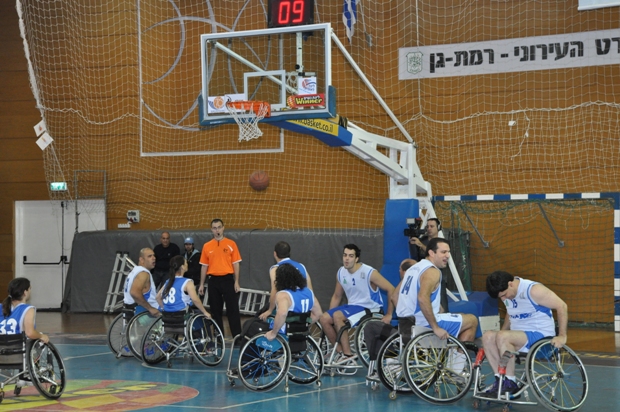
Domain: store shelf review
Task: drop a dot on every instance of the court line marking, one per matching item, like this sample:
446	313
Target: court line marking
86	356
271	399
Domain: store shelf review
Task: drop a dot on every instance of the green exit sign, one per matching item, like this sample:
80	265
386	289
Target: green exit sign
58	186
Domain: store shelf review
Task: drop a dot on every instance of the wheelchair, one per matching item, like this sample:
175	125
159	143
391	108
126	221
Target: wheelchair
438	371
180	334
31	361
556	378
262	364
127	330
356	340
388	365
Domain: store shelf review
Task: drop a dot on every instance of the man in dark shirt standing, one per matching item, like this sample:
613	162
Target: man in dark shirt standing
192	255
163	253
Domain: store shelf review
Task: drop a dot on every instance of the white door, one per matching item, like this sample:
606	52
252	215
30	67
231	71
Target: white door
44	232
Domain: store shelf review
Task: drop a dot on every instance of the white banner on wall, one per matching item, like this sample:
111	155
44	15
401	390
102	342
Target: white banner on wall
594	48
597	4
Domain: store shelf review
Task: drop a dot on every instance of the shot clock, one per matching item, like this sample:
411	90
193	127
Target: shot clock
285	13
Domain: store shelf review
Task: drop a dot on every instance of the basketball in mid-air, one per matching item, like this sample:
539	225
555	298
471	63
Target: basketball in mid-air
259	180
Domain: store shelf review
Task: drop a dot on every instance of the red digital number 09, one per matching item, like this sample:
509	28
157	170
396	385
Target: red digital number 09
291	12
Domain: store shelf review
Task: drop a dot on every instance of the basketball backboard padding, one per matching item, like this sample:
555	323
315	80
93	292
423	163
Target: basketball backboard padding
329	131
290	114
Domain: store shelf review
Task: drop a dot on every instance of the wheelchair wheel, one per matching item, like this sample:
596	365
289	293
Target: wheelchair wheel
439	371
357	335
155	343
46	369
136	328
557	376
359	344
389	366
117	339
307	365
263	364
205	340
316	332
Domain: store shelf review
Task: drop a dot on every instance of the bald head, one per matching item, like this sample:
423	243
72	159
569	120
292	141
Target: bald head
147	258
404	265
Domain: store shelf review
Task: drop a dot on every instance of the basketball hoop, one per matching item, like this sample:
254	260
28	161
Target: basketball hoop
247	114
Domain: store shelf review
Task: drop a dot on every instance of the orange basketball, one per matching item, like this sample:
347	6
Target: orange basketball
259	180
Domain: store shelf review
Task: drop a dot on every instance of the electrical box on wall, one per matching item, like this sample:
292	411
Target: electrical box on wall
133	216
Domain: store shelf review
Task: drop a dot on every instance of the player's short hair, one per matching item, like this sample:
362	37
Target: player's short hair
143	251
353	247
282	249
433	244
497	282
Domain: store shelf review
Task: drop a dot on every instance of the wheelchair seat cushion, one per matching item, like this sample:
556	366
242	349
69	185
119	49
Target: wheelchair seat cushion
254	326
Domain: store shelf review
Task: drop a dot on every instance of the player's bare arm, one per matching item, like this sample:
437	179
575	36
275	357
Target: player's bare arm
544	296
377	280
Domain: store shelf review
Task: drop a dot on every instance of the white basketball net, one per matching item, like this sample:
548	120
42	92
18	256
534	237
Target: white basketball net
248	120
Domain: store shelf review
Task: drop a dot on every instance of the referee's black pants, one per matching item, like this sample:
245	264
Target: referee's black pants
221	289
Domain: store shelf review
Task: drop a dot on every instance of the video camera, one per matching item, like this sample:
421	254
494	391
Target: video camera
414	228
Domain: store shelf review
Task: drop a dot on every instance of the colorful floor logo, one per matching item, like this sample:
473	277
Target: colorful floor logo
99	395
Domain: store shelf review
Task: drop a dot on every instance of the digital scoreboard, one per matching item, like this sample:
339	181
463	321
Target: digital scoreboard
286	13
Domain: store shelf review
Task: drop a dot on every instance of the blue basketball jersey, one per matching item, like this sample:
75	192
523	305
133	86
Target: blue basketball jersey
176	300
14	323
300	267
302	300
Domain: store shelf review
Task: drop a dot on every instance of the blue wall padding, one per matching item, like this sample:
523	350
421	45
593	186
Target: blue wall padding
395	244
479	304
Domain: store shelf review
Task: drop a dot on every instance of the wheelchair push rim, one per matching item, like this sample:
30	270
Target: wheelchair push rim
206	340
428	370
262	369
46	368
557	376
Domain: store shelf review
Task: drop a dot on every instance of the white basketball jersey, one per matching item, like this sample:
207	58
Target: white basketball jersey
408	295
527	315
357	287
148	296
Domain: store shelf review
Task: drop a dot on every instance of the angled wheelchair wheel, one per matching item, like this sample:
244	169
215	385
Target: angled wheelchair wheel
307	365
557	376
263	364
46	369
389	366
117	338
155	343
205	340
136	328
439	371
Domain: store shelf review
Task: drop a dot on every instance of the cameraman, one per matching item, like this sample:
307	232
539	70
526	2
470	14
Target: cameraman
417	251
417	246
